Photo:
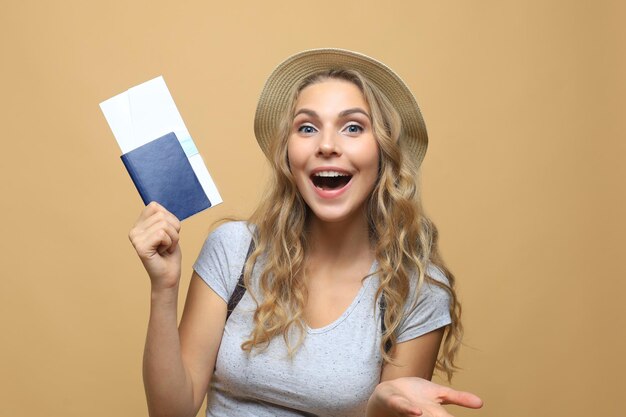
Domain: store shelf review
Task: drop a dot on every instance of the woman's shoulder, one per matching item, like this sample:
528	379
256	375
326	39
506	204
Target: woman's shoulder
437	274
427	307
232	231
222	256
431	289
226	244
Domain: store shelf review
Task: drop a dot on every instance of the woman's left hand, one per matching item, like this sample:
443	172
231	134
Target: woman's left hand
412	396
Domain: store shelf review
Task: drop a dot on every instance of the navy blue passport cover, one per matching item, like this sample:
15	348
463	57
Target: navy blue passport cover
162	173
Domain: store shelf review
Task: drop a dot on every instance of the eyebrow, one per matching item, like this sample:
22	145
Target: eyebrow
354	110
343	113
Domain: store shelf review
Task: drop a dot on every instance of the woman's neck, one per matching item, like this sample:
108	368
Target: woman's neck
337	241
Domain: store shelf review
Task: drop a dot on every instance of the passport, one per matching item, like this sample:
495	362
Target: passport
162	173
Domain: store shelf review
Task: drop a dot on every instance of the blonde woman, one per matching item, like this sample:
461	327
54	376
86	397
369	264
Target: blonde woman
332	299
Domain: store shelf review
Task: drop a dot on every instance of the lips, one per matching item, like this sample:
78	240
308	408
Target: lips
330	179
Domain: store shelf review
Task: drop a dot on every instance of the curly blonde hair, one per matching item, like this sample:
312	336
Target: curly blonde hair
405	240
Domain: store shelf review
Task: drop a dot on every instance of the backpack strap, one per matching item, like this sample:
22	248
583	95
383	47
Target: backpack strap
240	288
383	306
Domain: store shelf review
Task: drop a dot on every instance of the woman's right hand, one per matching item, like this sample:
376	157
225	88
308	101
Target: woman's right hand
155	238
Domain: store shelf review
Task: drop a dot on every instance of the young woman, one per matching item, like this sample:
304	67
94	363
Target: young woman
344	302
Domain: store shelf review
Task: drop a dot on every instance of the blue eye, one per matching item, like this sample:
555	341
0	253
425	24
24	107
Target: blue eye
307	129
354	128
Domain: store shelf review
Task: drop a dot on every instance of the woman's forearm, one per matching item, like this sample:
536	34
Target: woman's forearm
169	390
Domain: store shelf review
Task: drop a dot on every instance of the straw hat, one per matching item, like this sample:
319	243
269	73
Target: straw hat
273	101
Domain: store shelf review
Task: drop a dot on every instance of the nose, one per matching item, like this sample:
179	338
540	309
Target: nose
328	145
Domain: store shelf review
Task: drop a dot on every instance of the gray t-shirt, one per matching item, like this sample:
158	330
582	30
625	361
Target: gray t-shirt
334	371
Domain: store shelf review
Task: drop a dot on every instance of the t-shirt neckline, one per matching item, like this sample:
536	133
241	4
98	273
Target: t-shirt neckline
351	307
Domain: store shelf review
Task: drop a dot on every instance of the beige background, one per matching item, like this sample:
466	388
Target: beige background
524	177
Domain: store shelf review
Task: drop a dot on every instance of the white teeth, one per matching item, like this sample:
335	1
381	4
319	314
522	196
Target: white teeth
331	174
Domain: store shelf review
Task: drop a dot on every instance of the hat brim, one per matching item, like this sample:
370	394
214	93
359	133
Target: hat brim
275	95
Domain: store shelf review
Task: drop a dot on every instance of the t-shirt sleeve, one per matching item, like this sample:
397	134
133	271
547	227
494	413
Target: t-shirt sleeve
431	310
222	256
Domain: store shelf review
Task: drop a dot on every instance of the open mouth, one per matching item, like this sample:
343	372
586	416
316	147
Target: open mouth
330	180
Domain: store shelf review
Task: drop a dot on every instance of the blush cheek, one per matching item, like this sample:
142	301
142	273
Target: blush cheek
296	153
297	173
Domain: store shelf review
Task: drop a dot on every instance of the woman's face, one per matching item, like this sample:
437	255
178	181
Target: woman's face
332	151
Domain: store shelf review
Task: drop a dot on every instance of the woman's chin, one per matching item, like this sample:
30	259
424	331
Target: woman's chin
337	215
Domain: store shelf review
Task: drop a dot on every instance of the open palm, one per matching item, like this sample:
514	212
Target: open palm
411	396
